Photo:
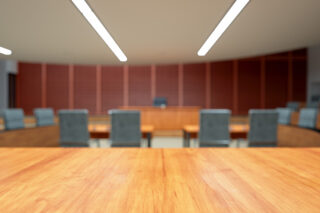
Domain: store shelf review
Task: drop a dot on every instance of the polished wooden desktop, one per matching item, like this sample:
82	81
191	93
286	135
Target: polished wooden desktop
168	118
100	131
237	131
160	180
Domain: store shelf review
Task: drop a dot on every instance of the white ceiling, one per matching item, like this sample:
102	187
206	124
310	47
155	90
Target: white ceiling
149	31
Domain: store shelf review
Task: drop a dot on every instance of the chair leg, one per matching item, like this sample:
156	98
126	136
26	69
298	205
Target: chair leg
188	140
149	140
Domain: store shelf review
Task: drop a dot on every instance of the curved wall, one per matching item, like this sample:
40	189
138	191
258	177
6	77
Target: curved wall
262	82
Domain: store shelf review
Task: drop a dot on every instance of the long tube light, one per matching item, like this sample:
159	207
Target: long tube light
233	12
87	12
5	51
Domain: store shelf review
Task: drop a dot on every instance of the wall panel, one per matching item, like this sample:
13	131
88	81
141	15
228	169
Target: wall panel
249	85
29	87
112	87
222	84
276	83
167	83
194	88
238	85
57	86
85	88
299	80
140	86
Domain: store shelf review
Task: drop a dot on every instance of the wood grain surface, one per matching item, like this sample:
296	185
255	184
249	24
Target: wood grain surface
169	118
160	180
236	130
294	136
47	136
103	130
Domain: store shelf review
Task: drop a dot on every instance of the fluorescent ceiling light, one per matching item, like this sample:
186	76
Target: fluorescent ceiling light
234	11
86	11
5	51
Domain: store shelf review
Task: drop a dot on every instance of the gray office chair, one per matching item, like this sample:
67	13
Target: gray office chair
313	105
160	101
263	128
308	118
293	105
214	128
284	116
125	128
13	119
74	128
44	117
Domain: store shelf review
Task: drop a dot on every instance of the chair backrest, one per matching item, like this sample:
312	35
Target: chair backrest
13	119
263	127
214	127
293	105
125	128
44	117
160	101
308	118
313	105
284	115
74	128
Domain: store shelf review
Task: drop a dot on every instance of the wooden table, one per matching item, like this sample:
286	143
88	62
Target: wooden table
159	180
103	131
168	118
236	131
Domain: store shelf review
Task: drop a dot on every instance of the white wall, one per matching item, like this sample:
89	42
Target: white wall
313	70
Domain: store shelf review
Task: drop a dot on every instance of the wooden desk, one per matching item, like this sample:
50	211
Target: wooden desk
46	136
160	180
103	131
169	118
236	131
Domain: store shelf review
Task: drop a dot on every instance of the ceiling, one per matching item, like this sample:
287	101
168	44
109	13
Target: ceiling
154	32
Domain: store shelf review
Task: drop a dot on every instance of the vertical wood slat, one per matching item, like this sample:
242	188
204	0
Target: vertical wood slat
263	82
290	77
71	86
153	81
98	80
43	85
235	86
180	78
208	85
125	85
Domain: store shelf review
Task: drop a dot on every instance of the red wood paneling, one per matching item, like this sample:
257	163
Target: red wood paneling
167	83
241	85
194	88
85	88
276	83
29	87
222	85
249	87
300	53
112	87
299	80
57	86
140	86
